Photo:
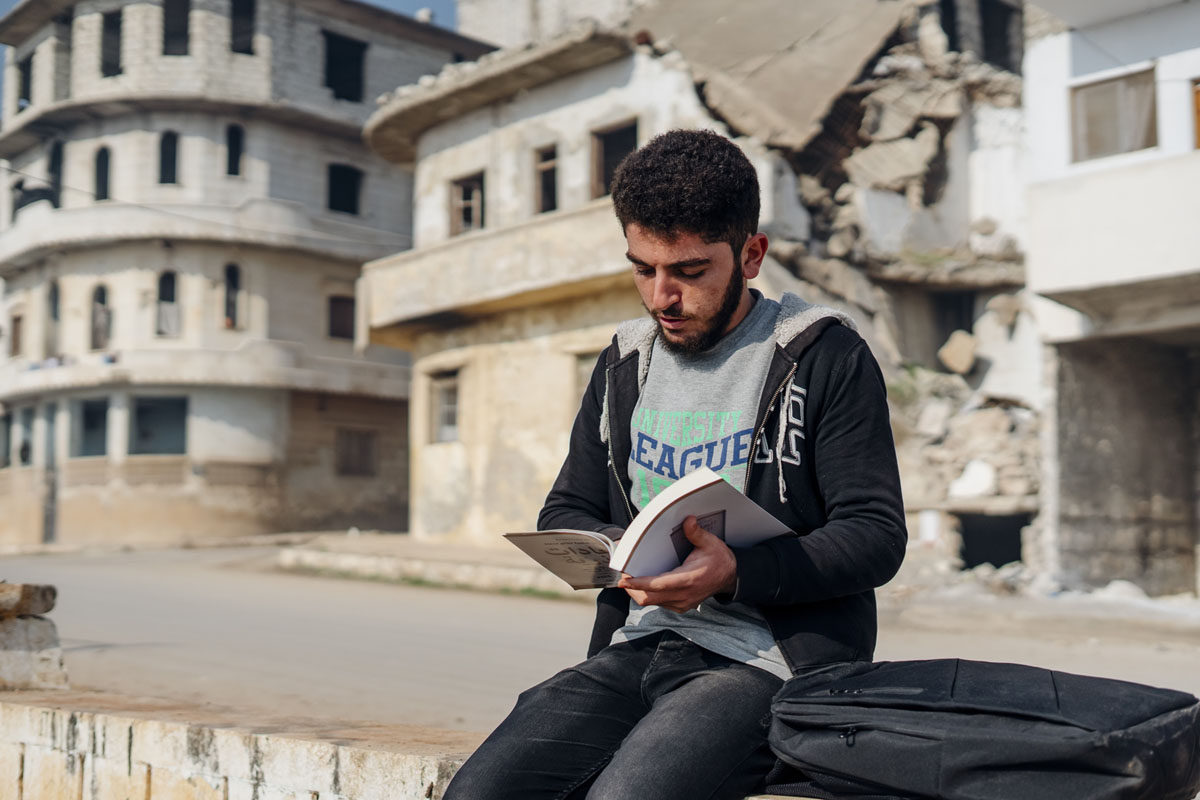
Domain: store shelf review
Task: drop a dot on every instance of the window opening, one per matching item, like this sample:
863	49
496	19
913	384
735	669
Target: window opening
235	137
167	321
1002	29
547	179
110	44
103	159
233	285
444	406
14	335
176	15
25	448
952	311
101	329
948	11
609	148
1196	109
345	186
159	426
355	452
242	26
52	301
6	428
467	204
341	317
24	82
1114	116
991	539
345	63
168	157
55	171
93	439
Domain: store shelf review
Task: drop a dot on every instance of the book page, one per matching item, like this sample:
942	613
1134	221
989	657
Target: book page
578	557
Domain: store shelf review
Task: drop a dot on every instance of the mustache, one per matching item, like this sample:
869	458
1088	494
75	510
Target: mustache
675	312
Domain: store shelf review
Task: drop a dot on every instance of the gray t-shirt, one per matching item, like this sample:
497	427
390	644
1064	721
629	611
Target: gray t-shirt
700	411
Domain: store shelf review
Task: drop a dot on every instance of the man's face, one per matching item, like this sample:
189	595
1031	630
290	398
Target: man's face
693	289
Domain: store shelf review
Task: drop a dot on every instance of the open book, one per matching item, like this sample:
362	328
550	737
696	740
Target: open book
654	542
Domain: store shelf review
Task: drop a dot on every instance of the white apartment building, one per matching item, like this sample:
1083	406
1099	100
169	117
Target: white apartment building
186	205
1113	110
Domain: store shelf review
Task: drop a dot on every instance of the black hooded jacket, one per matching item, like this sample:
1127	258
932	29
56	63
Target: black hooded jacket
841	495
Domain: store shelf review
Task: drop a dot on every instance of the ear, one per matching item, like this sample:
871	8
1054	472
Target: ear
753	253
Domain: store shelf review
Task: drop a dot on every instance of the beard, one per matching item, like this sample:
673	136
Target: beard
712	332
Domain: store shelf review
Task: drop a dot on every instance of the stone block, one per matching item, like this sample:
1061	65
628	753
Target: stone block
11	758
30	654
109	779
298	764
51	774
383	775
247	790
958	353
893	165
159	744
167	784
26	598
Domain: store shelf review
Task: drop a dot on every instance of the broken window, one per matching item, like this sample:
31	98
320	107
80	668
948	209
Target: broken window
1114	116
176	15
167	320
466	204
6	424
952	311
345	66
242	26
355	452
609	149
93	436
103	157
444	406
235	137
24	82
110	44
345	186
991	539
233	287
159	426
168	157
341	317
101	328
547	179
1003	29
14	335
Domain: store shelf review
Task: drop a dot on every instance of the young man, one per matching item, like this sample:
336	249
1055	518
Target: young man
786	402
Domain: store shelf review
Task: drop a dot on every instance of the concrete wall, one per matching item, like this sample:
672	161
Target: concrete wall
1126	465
507	22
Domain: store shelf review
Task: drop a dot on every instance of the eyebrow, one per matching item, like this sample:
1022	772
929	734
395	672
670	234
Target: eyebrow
689	262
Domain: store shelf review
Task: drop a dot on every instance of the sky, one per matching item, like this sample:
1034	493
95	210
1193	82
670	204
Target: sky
443	10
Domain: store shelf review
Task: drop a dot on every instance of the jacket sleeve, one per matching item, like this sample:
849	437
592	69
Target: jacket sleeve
862	542
579	497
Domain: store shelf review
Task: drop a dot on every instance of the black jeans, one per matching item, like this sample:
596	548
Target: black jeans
657	718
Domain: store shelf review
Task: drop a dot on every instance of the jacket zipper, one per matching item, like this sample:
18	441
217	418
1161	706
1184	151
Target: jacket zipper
612	459
759	429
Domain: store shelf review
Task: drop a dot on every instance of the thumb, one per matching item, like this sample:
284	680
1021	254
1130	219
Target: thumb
697	535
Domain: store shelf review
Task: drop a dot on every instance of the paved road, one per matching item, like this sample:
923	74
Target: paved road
211	626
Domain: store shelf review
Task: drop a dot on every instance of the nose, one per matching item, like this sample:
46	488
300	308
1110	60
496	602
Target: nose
666	291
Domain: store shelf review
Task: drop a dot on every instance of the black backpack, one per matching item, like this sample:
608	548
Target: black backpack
967	730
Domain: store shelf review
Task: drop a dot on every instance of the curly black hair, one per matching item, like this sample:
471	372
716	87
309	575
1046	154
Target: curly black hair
686	181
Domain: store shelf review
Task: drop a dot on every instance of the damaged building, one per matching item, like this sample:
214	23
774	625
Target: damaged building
892	187
1113	108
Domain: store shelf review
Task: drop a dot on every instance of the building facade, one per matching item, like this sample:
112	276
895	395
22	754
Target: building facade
1113	109
187	204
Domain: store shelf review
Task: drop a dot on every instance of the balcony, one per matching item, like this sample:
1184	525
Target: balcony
552	257
259	364
1109	242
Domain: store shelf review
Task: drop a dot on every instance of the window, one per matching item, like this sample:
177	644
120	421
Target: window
345	61
53	301
159	426
345	185
14	335
175	27
53	313
93	437
241	28
1114	116
949	15
952	311
466	204
25	448
110	44
354	452
235	138
444	406
546	180
101	330
167	320
6	424
1196	109
341	317
103	159
609	148
233	286
55	170
24	82
168	157
1003	32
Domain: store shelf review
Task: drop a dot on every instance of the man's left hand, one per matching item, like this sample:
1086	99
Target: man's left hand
709	569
